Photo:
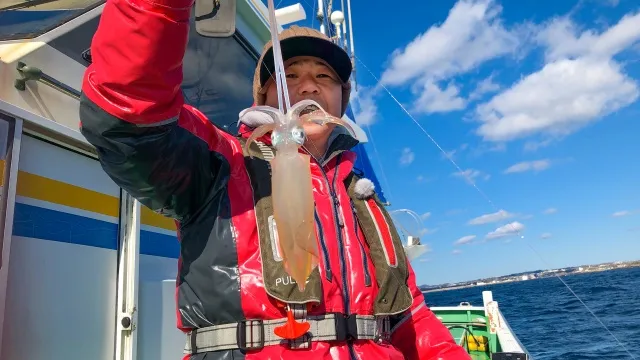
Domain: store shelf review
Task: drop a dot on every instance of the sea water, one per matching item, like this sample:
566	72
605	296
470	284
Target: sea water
554	325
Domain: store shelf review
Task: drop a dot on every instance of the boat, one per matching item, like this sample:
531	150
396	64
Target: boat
482	330
86	272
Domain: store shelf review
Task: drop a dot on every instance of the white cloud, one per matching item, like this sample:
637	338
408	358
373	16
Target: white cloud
550	211
537	165
545	236
561	98
470	174
507	230
425	216
433	99
449	154
464	240
485	86
471	35
563	41
535	145
365	109
621	213
456	252
484	148
579	84
489	218
407	156
423	179
452	154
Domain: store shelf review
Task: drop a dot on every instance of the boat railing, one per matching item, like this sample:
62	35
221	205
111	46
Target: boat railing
499	326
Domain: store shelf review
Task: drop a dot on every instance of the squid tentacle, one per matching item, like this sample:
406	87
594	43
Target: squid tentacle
330	120
258	132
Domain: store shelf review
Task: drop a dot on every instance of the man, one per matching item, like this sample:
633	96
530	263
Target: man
232	291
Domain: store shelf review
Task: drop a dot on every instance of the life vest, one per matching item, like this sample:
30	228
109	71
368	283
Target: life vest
387	252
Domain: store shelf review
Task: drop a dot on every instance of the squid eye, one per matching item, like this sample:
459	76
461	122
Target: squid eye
298	135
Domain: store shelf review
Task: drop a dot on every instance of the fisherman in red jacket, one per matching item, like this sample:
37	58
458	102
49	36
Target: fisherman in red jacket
361	302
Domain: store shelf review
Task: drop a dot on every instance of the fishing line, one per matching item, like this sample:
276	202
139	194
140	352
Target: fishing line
470	180
281	81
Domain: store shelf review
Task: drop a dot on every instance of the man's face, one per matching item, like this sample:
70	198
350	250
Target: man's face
310	78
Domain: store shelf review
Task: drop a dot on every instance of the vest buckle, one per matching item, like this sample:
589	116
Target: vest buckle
346	327
241	335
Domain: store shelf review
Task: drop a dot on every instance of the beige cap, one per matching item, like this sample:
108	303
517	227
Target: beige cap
303	41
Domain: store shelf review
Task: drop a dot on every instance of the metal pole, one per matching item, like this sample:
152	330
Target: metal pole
126	336
320	16
353	52
10	183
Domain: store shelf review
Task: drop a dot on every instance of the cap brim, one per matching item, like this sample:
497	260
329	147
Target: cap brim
323	49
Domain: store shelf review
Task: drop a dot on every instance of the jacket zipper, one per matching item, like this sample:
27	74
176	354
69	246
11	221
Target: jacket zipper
367	276
339	224
325	252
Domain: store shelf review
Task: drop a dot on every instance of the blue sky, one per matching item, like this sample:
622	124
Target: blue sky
538	103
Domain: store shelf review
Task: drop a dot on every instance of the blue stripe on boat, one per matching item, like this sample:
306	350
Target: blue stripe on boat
46	224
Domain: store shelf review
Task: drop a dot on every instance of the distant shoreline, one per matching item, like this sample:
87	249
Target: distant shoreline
533	275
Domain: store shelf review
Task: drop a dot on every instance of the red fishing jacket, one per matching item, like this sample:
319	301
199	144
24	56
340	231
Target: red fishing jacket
171	158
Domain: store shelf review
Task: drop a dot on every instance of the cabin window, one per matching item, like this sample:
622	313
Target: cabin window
218	77
20	19
76	42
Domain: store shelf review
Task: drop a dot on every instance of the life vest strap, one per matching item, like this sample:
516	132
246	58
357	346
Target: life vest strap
255	334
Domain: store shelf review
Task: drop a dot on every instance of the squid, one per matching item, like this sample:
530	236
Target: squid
292	189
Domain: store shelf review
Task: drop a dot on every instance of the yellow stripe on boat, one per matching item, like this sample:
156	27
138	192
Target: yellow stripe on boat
148	217
57	192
